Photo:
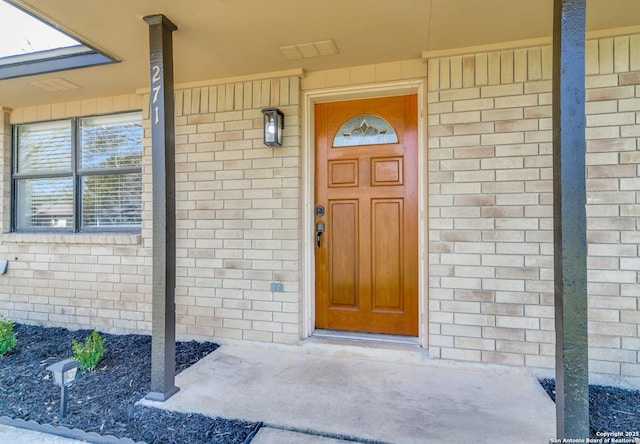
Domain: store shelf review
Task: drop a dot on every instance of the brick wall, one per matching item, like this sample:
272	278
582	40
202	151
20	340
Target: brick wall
238	212
490	215
238	224
490	207
364	74
76	281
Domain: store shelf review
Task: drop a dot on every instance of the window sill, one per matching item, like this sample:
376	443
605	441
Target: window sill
72	238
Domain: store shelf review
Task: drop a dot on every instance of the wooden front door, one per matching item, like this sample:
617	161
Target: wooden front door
366	196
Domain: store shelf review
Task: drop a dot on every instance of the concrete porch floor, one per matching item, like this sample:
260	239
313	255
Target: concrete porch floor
358	396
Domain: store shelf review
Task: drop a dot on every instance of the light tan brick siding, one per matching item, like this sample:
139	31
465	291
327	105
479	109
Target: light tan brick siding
490	213
238	225
490	210
364	74
75	281
238	212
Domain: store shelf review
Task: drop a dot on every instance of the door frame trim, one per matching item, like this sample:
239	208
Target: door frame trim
310	98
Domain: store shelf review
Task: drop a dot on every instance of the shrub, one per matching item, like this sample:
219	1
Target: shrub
7	336
89	353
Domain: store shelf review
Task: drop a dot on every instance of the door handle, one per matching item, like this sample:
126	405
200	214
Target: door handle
319	231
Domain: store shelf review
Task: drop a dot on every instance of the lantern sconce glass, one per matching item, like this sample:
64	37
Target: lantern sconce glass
273	126
64	373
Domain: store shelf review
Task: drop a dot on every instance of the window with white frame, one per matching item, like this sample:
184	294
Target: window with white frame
78	175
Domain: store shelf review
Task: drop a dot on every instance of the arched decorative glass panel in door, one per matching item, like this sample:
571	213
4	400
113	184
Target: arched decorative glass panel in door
365	129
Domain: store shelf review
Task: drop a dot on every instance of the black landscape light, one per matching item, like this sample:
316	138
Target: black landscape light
64	373
273	126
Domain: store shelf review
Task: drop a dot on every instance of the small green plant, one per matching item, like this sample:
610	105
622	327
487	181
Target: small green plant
89	353
7	336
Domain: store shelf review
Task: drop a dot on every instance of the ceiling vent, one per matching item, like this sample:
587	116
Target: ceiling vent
58	84
309	50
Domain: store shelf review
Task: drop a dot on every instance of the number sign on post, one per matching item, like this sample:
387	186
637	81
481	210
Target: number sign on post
156	86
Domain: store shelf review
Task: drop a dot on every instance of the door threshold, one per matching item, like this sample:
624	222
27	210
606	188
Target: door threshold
365	337
388	348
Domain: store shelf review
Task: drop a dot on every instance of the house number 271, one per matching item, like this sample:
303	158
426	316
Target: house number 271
156	85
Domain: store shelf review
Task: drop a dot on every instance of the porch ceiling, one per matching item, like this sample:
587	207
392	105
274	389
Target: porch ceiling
226	38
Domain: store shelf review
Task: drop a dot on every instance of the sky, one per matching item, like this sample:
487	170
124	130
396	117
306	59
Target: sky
20	33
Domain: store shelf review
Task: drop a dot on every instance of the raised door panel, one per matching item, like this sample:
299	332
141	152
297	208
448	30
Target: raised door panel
387	259
343	254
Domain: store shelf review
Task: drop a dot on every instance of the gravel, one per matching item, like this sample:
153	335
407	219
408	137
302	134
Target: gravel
611	409
103	400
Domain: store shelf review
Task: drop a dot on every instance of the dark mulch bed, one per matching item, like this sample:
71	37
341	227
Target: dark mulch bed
103	401
611	409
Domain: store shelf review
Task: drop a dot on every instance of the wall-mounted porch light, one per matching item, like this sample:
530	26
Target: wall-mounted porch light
273	126
64	373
